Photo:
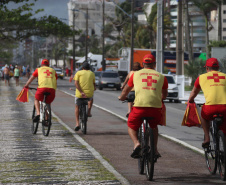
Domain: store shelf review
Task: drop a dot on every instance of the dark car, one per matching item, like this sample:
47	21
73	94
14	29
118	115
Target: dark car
109	79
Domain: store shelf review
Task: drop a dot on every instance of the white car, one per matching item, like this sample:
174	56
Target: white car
173	92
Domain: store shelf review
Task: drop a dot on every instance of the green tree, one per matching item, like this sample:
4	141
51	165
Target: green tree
194	68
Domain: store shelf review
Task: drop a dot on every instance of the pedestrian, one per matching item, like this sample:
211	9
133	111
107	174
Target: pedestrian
85	86
136	67
24	70
28	70
213	85
6	71
67	71
150	89
16	74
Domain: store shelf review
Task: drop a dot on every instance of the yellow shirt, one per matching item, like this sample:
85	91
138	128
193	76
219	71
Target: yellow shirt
148	85
213	85
46	77
86	79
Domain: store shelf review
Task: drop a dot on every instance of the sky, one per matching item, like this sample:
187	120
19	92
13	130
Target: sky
56	8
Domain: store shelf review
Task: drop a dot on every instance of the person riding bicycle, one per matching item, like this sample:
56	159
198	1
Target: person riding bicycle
85	86
150	89
47	82
213	85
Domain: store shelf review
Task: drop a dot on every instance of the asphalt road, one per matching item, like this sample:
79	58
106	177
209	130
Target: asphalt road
107	133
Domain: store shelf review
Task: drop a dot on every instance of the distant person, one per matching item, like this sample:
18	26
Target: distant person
28	71
136	67
24	70
6	71
85	86
67	71
169	72
16	74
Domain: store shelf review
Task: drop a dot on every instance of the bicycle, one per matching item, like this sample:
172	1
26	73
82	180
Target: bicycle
45	116
147	159
215	154
83	113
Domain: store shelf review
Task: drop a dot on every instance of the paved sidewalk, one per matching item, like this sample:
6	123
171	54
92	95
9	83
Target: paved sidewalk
199	98
61	158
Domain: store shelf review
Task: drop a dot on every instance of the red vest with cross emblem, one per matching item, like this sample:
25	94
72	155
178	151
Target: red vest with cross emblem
46	77
213	85
148	88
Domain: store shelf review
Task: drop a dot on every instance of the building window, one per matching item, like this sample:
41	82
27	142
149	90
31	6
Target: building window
224	29
224	12
224	20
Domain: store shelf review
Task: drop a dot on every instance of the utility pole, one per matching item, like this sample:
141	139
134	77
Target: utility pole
132	35
159	47
103	38
73	40
180	52
87	13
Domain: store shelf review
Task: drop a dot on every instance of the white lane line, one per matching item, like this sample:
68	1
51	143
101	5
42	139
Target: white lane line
166	136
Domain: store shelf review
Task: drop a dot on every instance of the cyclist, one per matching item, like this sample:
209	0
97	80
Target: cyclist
136	67
47	82
213	85
85	86
150	89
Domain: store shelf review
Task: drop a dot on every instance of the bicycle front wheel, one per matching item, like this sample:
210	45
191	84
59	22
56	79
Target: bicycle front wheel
222	155
141	159
46	122
83	118
210	154
34	126
150	154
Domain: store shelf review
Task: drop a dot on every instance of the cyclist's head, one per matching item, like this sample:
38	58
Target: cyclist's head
136	66
86	66
212	63
149	61
45	62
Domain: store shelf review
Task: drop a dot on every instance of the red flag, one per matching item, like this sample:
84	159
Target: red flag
163	119
23	96
191	116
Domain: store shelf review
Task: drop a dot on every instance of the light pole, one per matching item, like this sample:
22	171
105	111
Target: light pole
103	46
132	35
73	40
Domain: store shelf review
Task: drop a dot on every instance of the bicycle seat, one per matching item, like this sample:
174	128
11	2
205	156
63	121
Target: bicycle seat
218	118
46	93
147	118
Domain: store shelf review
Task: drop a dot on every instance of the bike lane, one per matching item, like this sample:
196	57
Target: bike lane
108	135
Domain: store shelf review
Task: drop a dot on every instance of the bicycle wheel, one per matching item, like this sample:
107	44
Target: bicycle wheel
141	159
222	155
150	154
83	118
34	126
46	122
210	154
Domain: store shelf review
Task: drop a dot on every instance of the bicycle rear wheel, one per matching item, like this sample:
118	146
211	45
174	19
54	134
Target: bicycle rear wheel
46	122
34	126
141	159
150	154
83	118
210	154
222	155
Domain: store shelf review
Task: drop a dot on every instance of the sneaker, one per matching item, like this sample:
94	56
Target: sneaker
36	118
77	128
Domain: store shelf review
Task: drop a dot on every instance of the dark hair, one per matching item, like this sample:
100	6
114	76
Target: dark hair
86	66
151	65
214	68
136	66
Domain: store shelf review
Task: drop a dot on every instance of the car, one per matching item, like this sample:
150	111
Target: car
97	74
59	72
173	91
109	79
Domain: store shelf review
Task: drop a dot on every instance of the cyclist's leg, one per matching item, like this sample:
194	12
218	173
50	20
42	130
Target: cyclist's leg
37	106
156	134
206	127
133	136
77	115
90	104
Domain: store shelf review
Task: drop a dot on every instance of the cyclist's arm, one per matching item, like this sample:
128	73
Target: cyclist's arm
30	80
125	92
164	93
196	89
79	89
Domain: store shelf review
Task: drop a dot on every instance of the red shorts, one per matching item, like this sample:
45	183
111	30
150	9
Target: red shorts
39	95
209	110
136	114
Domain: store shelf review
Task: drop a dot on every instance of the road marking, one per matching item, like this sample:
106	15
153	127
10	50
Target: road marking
163	135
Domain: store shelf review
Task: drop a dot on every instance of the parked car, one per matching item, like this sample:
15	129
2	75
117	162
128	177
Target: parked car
173	92
109	79
59	72
97	75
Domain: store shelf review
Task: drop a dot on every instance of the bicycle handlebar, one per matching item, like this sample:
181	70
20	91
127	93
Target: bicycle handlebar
32	88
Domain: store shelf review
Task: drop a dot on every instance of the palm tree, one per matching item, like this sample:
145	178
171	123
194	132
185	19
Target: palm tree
205	7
